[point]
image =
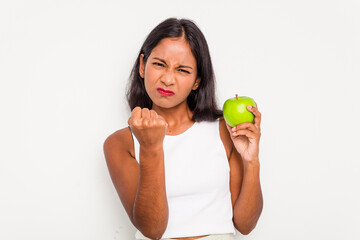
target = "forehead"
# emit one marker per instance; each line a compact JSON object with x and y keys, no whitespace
{"x":174,"y":49}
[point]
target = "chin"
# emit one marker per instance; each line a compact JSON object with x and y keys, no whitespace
{"x":161,"y":104}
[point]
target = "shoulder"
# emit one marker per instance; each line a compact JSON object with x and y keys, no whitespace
{"x":225,"y":137}
{"x":120,"y":140}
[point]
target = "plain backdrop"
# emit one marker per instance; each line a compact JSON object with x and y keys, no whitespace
{"x":64,"y":66}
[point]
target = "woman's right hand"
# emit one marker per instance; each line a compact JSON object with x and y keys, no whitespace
{"x":148,"y":127}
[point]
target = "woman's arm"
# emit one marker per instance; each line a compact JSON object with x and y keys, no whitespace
{"x":150,"y":206}
{"x":246,"y":193}
{"x":244,"y":173}
{"x":141,"y":187}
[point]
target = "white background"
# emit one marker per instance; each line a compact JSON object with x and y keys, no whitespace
{"x":63,"y":70}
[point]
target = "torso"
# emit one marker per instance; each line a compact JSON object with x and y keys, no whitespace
{"x":224,"y":135}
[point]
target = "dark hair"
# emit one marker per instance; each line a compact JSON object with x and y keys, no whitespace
{"x":201,"y":101}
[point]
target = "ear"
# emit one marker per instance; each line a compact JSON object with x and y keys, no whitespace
{"x":142,"y":66}
{"x":196,"y":84}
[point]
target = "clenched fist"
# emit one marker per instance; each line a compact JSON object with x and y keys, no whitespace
{"x":148,"y":127}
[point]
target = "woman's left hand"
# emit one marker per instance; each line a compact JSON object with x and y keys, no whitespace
{"x":246,"y":136}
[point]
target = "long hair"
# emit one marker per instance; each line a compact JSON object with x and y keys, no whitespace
{"x":201,"y":101}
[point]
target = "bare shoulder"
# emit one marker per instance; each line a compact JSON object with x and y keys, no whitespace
{"x":120,"y":139}
{"x":225,"y":137}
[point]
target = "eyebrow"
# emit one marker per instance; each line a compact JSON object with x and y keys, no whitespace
{"x":181,"y":66}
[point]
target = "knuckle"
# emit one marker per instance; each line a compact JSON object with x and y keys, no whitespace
{"x":155,"y":122}
{"x":146,"y":122}
{"x":247,"y":124}
{"x":158,"y":122}
{"x":161,"y":124}
{"x":136,"y":123}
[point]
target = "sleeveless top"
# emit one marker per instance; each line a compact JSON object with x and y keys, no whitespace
{"x":197,"y":180}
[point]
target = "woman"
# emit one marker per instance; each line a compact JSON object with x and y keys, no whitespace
{"x":180,"y":171}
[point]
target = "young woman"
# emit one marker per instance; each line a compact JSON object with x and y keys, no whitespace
{"x":180,"y":171}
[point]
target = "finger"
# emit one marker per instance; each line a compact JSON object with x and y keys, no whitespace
{"x":231,"y":129}
{"x":136,"y":113}
{"x":145,"y":113}
{"x":156,"y":119}
{"x":153,"y":114}
{"x":257,"y":114}
{"x":245,"y":125}
{"x":257,"y":120}
{"x":244,"y":132}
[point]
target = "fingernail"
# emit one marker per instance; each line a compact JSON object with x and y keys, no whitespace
{"x":249,"y":107}
{"x":234,"y":128}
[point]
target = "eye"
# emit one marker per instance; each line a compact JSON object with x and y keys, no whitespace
{"x":158,"y":64}
{"x":182,"y":70}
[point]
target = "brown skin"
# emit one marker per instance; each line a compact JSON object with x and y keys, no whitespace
{"x":141,"y":187}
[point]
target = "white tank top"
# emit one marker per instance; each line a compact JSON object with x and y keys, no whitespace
{"x":197,"y":179}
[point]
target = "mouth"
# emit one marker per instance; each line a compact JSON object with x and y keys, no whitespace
{"x":164,"y":92}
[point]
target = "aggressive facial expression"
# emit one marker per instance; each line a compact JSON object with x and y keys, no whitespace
{"x":169,"y":72}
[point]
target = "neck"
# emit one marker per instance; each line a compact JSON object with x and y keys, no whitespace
{"x":176,"y":116}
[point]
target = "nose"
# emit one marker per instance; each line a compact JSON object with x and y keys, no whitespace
{"x":168,"y":78}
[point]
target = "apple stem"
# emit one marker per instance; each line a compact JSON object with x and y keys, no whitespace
{"x":236,"y":96}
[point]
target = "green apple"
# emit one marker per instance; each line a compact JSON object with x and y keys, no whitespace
{"x":235,"y":111}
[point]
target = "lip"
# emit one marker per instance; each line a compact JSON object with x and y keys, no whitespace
{"x":164,"y":92}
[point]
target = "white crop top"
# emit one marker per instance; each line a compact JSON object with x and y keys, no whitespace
{"x":197,"y":179}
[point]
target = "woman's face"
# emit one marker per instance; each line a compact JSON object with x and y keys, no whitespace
{"x":169,"y":72}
